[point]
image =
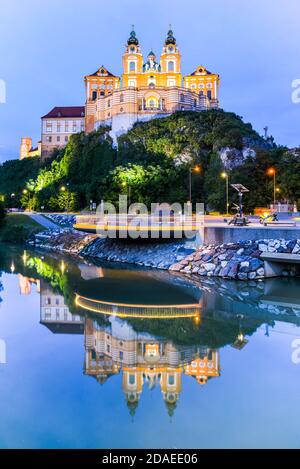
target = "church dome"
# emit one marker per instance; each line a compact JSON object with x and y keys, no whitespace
{"x":133,"y":39}
{"x":170,"y":38}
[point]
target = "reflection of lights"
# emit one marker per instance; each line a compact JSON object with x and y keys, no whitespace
{"x":240,"y":340}
{"x":12,"y":268}
{"x":24,"y":257}
{"x":125,"y":310}
{"x":62,"y":267}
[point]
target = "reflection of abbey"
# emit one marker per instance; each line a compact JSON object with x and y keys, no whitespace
{"x":147,"y":89}
{"x":144,"y":361}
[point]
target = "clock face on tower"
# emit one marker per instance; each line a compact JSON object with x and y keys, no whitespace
{"x":170,"y":48}
{"x":132,"y":49}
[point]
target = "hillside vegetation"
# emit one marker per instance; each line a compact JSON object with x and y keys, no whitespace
{"x":153,"y":164}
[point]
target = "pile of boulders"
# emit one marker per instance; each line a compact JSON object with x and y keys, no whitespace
{"x":241,"y":260}
{"x":69,"y":241}
{"x":234,"y":260}
{"x":155,"y":255}
{"x":62,"y":219}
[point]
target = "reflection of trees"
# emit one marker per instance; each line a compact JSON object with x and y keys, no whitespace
{"x":224,"y":301}
{"x":213,"y":330}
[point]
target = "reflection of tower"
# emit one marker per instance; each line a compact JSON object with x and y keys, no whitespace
{"x":171,"y":387}
{"x":25,"y":284}
{"x":55,"y":314}
{"x":205,"y":366}
{"x":132,"y":386}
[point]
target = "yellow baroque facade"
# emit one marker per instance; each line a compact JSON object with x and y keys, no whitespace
{"x":147,"y":89}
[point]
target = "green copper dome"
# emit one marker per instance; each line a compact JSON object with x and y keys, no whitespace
{"x":170,"y":38}
{"x":133,"y":39}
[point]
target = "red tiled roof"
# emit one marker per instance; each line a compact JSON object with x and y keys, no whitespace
{"x":66,"y":111}
{"x":98,"y":72}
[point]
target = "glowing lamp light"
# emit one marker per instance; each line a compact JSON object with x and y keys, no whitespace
{"x":62,"y":267}
{"x":197,"y":319}
{"x":24,"y":257}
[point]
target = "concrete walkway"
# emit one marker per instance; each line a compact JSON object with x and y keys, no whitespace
{"x":45,"y":222}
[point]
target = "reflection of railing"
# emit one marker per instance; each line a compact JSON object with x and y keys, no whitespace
{"x":124,"y":310}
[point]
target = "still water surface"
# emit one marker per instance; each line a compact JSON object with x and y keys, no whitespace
{"x":106,"y":356}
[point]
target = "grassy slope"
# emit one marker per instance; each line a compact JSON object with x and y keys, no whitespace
{"x":18,"y":227}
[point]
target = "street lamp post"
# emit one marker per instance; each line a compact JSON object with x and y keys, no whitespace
{"x":66,"y":189}
{"x":195,"y":169}
{"x":224,"y":175}
{"x":125,"y":184}
{"x":272,"y":172}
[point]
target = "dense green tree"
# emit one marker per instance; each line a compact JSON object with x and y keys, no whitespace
{"x":155,"y":162}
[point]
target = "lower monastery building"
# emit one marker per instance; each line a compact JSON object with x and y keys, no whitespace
{"x":147,"y":89}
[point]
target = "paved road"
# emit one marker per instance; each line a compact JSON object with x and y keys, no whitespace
{"x":43,"y":221}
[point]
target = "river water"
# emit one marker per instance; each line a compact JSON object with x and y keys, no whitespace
{"x":110,"y":356}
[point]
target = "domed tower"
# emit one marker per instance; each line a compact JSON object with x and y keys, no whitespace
{"x":132,"y":61}
{"x":170,"y":60}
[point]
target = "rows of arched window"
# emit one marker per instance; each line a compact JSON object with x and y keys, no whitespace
{"x":171,"y":66}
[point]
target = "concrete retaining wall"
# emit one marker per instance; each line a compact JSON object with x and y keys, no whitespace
{"x":229,"y":234}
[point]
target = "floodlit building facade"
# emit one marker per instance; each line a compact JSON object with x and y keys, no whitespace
{"x":147,"y":89}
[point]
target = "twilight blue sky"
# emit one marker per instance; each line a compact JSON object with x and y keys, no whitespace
{"x":46,"y":47}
